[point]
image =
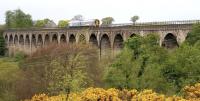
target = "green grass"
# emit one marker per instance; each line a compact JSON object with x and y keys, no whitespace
{"x":8,"y":68}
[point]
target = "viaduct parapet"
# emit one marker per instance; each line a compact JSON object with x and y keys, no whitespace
{"x":110,"y":37}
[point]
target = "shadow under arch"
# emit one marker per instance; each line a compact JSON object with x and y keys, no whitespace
{"x":39,"y":43}
{"x":170,"y":41}
{"x":55,"y":38}
{"x":11,"y":40}
{"x":118,"y":43}
{"x":16,"y":40}
{"x":105,"y":46}
{"x":63,"y":38}
{"x":93,"y":40}
{"x":21,"y":40}
{"x":72,"y":39}
{"x":27,"y":40}
{"x":33,"y":40}
{"x":46,"y":39}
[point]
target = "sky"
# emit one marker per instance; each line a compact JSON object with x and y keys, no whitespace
{"x":120,"y":10}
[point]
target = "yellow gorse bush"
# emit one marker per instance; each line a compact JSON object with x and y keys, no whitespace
{"x":192,"y":93}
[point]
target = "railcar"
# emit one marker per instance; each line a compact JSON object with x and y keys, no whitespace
{"x":77,"y":23}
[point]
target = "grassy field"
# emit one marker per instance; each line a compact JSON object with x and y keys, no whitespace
{"x":8,"y":75}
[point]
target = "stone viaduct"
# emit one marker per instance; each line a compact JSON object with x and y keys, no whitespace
{"x":172,"y":33}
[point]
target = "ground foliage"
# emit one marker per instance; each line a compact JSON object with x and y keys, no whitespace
{"x":192,"y":93}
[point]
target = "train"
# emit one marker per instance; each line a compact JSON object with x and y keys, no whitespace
{"x":82,"y":23}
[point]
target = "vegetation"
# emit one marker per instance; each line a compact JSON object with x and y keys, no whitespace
{"x":8,"y":76}
{"x":63,"y":23}
{"x":2,"y":44}
{"x":18,"y":19}
{"x":41,"y":23}
{"x":59,"y":69}
{"x":69,"y":71}
{"x":134,"y":18}
{"x":78,"y":17}
{"x":107,"y":21}
{"x":99,"y":94}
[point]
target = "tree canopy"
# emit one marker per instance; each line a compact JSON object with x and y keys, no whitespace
{"x":18,"y":19}
{"x":107,"y":21}
{"x":134,"y":18}
{"x":63,"y":23}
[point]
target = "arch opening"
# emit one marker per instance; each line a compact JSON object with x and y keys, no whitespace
{"x":47,"y":39}
{"x":118,"y":44}
{"x":105,"y":46}
{"x":11,"y":40}
{"x":82,"y":38}
{"x":72,"y":39}
{"x":54,"y":38}
{"x":63,"y":38}
{"x":15,"y":39}
{"x":170,"y":41}
{"x":33,"y":41}
{"x":39,"y":43}
{"x":27,"y":40}
{"x":21,"y":40}
{"x":6,"y":38}
{"x":132,"y":35}
{"x":93,"y":40}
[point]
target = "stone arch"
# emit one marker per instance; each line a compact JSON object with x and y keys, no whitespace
{"x":82,"y":38}
{"x":46,"y":39}
{"x":118,"y":43}
{"x":55,"y":38}
{"x":11,"y":39}
{"x":21,"y":39}
{"x":93,"y":40}
{"x":72,"y":39}
{"x":16,"y":39}
{"x":170,"y":41}
{"x":27,"y":40}
{"x":6,"y":38}
{"x":105,"y":46}
{"x":33,"y":40}
{"x":63,"y":38}
{"x":39,"y":41}
{"x":132,"y":35}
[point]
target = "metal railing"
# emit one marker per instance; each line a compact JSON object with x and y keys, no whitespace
{"x":155,"y":23}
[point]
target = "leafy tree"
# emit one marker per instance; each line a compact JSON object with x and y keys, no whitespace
{"x":139,"y":64}
{"x":123,"y":72}
{"x":107,"y":21}
{"x":59,"y":69}
{"x":2,"y":44}
{"x":134,"y":18}
{"x":194,"y":35}
{"x":182,"y":68}
{"x":42,"y":23}
{"x":63,"y":23}
{"x":78,"y":17}
{"x":18,"y":19}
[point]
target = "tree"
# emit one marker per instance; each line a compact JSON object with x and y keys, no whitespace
{"x":134,"y":18}
{"x":59,"y":69}
{"x":2,"y":44}
{"x":78,"y":17}
{"x":18,"y":19}
{"x":139,"y":63}
{"x":45,"y":23}
{"x":194,"y":35}
{"x":123,"y":72}
{"x":182,"y":68}
{"x":107,"y":21}
{"x":63,"y":23}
